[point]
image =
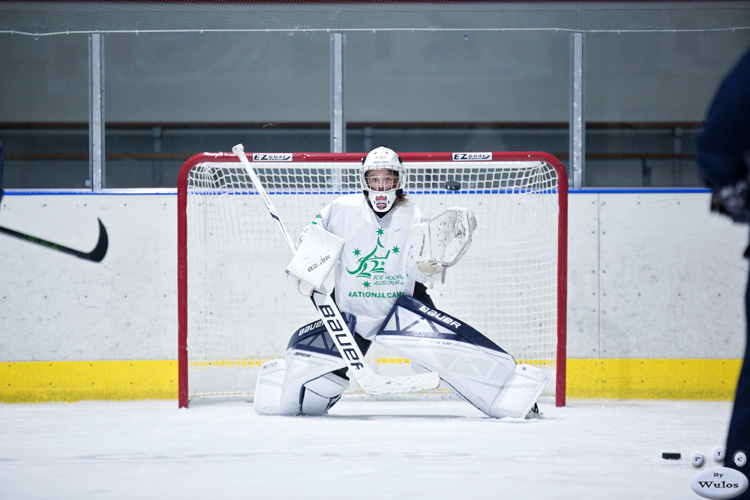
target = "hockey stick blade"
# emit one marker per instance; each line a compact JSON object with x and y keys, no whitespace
{"x":95,"y":255}
{"x":369,"y":381}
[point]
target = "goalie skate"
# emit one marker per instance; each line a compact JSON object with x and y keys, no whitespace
{"x":534,"y":413}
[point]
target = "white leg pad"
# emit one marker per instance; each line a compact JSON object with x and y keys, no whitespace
{"x":477,"y":374}
{"x":322,"y":393}
{"x":520,"y":392}
{"x":478,"y":370}
{"x":267,"y":400}
{"x":302,"y":368}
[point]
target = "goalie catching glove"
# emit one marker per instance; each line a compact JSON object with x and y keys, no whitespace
{"x":314,"y":260}
{"x":441,"y":242}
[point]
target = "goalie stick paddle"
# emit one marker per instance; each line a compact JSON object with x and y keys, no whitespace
{"x":95,"y":255}
{"x":352,"y":355}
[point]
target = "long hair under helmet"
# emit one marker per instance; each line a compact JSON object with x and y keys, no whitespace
{"x":383,"y":158}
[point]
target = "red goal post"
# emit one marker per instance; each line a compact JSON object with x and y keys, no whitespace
{"x":237,"y":310}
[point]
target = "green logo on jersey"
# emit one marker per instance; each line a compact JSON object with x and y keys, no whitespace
{"x":371,"y":268}
{"x":372,"y":263}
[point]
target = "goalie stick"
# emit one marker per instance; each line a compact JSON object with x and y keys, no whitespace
{"x":368,"y":380}
{"x":95,"y":255}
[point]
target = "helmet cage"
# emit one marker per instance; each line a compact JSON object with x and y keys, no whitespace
{"x":395,"y":175}
{"x":382,"y":158}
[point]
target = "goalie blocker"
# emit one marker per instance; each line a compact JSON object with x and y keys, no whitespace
{"x":310,"y":382}
{"x":314,"y":260}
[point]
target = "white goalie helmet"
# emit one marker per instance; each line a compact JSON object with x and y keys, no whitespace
{"x":383,"y":178}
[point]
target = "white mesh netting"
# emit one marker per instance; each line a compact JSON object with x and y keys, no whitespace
{"x":242,"y":310}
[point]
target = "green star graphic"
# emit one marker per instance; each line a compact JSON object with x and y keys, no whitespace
{"x":380,"y":231}
{"x":357,"y":252}
{"x":396,"y":250}
{"x":366,"y":284}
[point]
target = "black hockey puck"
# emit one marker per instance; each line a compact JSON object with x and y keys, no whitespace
{"x":670,"y":456}
{"x":452,"y":185}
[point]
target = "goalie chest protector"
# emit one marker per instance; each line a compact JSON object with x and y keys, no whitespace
{"x":374,"y":268}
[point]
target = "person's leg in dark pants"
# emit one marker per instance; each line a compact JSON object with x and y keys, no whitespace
{"x":738,"y":437}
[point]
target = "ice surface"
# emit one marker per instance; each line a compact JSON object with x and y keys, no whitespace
{"x":410,"y":449}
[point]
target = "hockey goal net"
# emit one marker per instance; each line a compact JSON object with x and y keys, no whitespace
{"x":237,"y":310}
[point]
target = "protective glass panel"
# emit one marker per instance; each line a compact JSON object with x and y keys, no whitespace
{"x":44,"y":111}
{"x":646,"y":96}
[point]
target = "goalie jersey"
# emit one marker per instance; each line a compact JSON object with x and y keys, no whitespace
{"x":375,"y":267}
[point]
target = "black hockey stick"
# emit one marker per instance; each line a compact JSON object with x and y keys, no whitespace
{"x":96,"y":255}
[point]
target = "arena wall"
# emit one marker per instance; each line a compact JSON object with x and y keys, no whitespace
{"x":655,"y":297}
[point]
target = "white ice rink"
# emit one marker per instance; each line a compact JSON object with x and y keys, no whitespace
{"x":363,"y":449}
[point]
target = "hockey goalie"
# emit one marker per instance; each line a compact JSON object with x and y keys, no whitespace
{"x":384,"y":256}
